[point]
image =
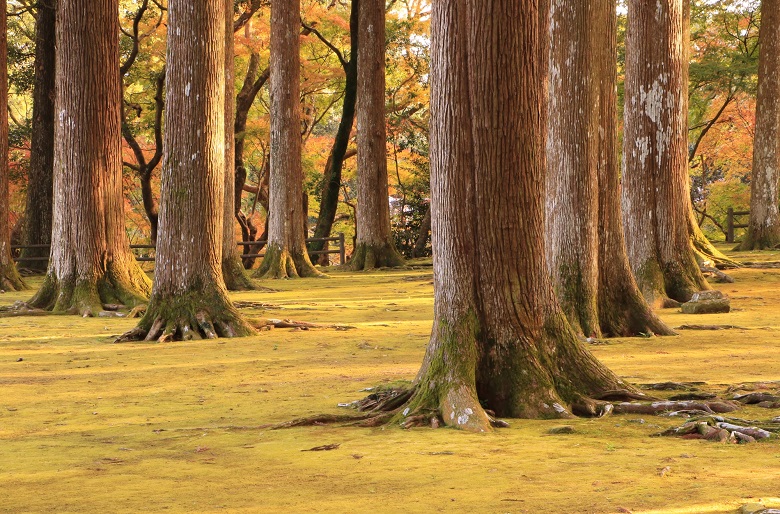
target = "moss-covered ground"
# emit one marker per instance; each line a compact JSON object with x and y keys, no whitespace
{"x":91,"y":426}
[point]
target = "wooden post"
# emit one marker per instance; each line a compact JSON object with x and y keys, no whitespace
{"x":342,"y":250}
{"x":730,"y":225}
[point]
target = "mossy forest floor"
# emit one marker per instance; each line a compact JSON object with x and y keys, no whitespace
{"x":91,"y":426}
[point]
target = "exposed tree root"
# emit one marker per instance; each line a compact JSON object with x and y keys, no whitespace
{"x":719,"y":276}
{"x":718,"y":428}
{"x":368,"y":256}
{"x":281,"y":263}
{"x":672,"y":386}
{"x":11,"y":279}
{"x":667,"y":406}
{"x":704,"y":249}
{"x":710,"y":327}
{"x":189,"y":316}
{"x":289,"y":323}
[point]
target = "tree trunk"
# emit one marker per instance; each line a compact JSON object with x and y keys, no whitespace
{"x":38,"y":210}
{"x":656,"y":200}
{"x":286,"y":255}
{"x":622,"y":309}
{"x":572,"y":153}
{"x":764,"y":225}
{"x":90,"y":261}
{"x":233,"y":272}
{"x":500,"y":340}
{"x":9,"y":276}
{"x":375,"y":246}
{"x":338,"y":152}
{"x":190,"y":300}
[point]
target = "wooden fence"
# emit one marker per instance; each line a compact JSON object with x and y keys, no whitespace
{"x":339,"y":240}
{"x":730,"y":225}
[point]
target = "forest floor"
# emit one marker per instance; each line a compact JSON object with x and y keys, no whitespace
{"x":91,"y":426}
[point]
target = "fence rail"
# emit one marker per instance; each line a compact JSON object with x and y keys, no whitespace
{"x":339,"y":240}
{"x":730,"y":225}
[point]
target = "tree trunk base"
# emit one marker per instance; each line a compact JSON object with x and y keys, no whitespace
{"x":189,"y":316}
{"x":235,"y":275}
{"x":281,"y":263}
{"x":118,"y":285}
{"x":368,"y":256}
{"x":752,"y":242}
{"x":705,"y":251}
{"x":10,"y":280}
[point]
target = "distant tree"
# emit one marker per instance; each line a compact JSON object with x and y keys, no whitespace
{"x":232,"y":268}
{"x":9,"y":276}
{"x":586,"y":254}
{"x":764,"y":225}
{"x":90,"y":262}
{"x":39,"y":204}
{"x":375,"y":247}
{"x":189,"y":300}
{"x":285,"y":254}
{"x":331,"y":182}
{"x":656,"y":199}
{"x":500,"y":340}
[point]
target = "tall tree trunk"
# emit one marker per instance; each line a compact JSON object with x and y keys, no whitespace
{"x":189,"y":300}
{"x":9,"y":276}
{"x":38,"y":211}
{"x":500,"y":340}
{"x":233,"y":272}
{"x":572,"y":153}
{"x":375,"y":246}
{"x":90,"y":261}
{"x":622,"y":309}
{"x":286,"y":255}
{"x":335,"y":163}
{"x":656,"y":200}
{"x":422,"y":234}
{"x":764,"y":225}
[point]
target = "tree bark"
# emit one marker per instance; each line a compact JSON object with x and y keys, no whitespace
{"x":189,"y":300}
{"x":422,"y":235}
{"x":622,"y":309}
{"x":375,"y":246}
{"x":656,"y":200}
{"x":572,"y":156}
{"x":38,"y":210}
{"x":233,"y":271}
{"x":90,"y":261}
{"x":500,"y":340}
{"x":335,"y":163}
{"x":285,"y":255}
{"x":764,"y":225}
{"x":9,"y":276}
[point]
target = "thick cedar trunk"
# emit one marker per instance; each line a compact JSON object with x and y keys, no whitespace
{"x":572,"y":153}
{"x":286,"y":255}
{"x":38,"y":211}
{"x":232,"y":269}
{"x":9,"y":276}
{"x":338,"y":152}
{"x":764,"y":225}
{"x":656,"y":200}
{"x":499,"y":340}
{"x":253,"y":83}
{"x":90,"y":261}
{"x":623,"y":310}
{"x":375,"y":246}
{"x":189,"y":300}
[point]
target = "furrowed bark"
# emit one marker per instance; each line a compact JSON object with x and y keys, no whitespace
{"x":90,"y":261}
{"x":286,"y":255}
{"x":375,"y":246}
{"x":189,"y":300}
{"x":656,"y":199}
{"x":764,"y":225}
